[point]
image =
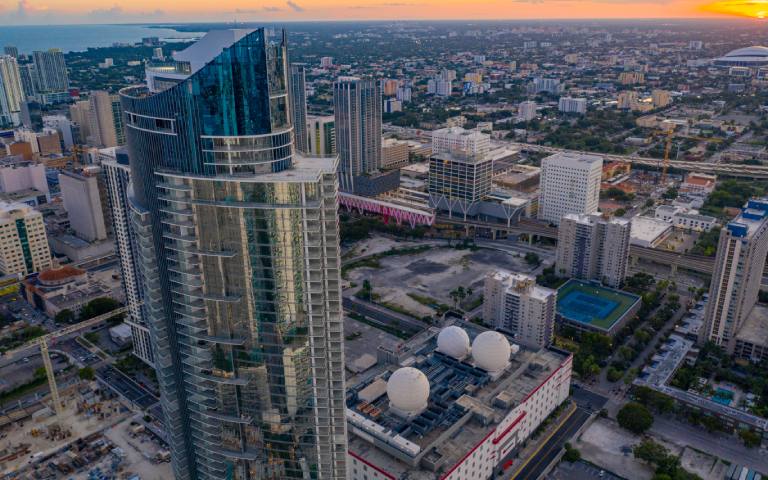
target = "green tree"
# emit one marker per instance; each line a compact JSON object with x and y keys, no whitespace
{"x":65,"y":316}
{"x":98,"y":306}
{"x":750,"y":438}
{"x":86,"y":373}
{"x":532,"y":259}
{"x":571,"y":454}
{"x":635,"y":417}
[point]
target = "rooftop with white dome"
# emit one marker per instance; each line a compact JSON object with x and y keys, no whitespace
{"x":431,"y":399}
{"x":746,"y":57}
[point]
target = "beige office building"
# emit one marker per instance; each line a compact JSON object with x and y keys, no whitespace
{"x":394,"y":153}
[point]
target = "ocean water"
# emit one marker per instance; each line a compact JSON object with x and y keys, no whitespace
{"x":74,"y":38}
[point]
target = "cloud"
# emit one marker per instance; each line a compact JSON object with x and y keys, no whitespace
{"x":295,"y":6}
{"x":258,"y":10}
{"x":618,"y":2}
{"x":117,"y":14}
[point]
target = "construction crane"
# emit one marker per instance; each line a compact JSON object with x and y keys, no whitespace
{"x":43,"y":342}
{"x":668,"y":147}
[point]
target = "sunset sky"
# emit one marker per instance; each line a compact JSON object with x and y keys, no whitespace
{"x":22,"y":12}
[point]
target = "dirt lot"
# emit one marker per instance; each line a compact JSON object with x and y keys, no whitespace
{"x":432,"y":275}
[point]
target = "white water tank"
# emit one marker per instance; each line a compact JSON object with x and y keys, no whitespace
{"x":491,"y":351}
{"x":454,"y":342}
{"x":408,"y":390}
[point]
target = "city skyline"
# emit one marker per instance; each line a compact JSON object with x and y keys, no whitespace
{"x":59,"y":12}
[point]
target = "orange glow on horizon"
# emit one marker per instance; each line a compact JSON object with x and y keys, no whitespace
{"x":740,"y":8}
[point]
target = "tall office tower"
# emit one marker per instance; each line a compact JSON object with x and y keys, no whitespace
{"x":29,"y":80}
{"x":80,"y":113}
{"x":457,"y":182}
{"x":514,"y":303}
{"x":440,"y":87}
{"x":85,"y":200}
{"x":739,"y":266}
{"x":105,"y":119}
{"x":11,"y":93}
{"x":459,"y":140}
{"x":238,"y":251}
{"x":118,"y":177}
{"x":357,"y":111}
{"x":592,"y":247}
{"x":322,"y":135}
{"x":526,"y":111}
{"x":11,"y":51}
{"x":51,"y":71}
{"x":23,"y":241}
{"x":570,"y":183}
{"x":299,"y":107}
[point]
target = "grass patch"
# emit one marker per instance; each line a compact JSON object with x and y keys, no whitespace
{"x":430,"y":302}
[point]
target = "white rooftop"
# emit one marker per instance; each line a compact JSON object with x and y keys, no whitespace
{"x":645,"y":230}
{"x":209,"y":47}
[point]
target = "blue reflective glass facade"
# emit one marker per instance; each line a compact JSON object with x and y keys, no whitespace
{"x":237,"y":239}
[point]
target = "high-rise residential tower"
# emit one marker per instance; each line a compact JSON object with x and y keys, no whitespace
{"x":514,"y":303}
{"x":593,"y":247}
{"x":238,"y":251}
{"x":118,"y":178}
{"x":23,"y":241}
{"x":357,"y":110}
{"x":51,"y":71}
{"x":739,"y":265}
{"x":105,"y":120}
{"x":85,"y":200}
{"x":322,"y":135}
{"x":11,"y":92}
{"x":299,"y":107}
{"x":570,"y":183}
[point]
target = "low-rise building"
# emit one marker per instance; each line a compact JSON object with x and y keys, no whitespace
{"x":649,"y":232}
{"x":66,"y":288}
{"x":394,"y":153}
{"x":685,"y":218}
{"x":462,"y":408}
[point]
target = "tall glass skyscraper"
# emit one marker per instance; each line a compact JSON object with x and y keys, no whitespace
{"x":238,"y":249}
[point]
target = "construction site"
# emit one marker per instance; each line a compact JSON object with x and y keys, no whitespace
{"x":80,"y":428}
{"x":95,"y":437}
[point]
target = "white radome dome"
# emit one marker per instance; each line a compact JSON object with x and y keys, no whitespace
{"x":454,"y":342}
{"x":408,"y":389}
{"x":491,"y":351}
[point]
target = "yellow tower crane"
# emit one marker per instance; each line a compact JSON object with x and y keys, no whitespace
{"x":43,"y":342}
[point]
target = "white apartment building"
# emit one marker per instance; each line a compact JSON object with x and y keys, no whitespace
{"x":118,"y":175}
{"x":572,"y":105}
{"x":17,"y":175}
{"x":685,"y":218}
{"x":739,"y":265}
{"x":457,"y":139}
{"x":570,"y":183}
{"x":526,"y":111}
{"x":439,"y":87}
{"x":513,"y":302}
{"x":23,"y":241}
{"x":84,"y":203}
{"x":592,"y":247}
